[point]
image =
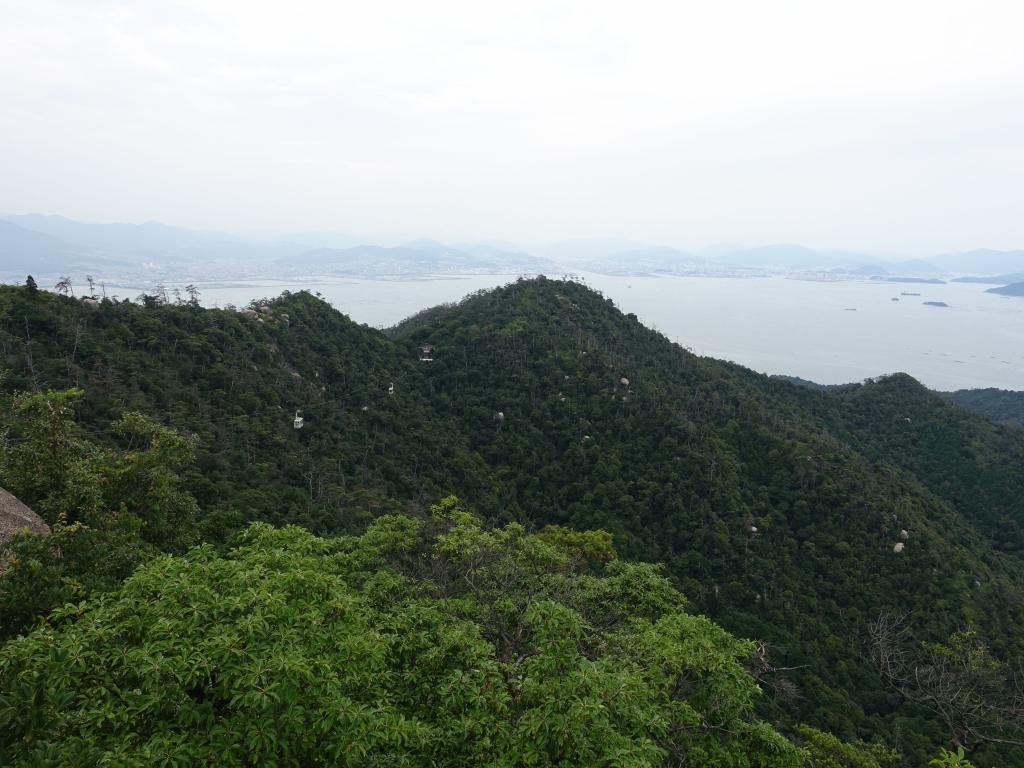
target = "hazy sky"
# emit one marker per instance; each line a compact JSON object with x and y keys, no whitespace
{"x":894,"y":125}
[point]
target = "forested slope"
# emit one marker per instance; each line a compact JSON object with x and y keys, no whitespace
{"x":236,"y":381}
{"x":967,"y":459}
{"x":778,"y":510}
{"x":775,"y":524}
{"x":998,"y":404}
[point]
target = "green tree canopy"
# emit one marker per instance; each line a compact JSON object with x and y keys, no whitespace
{"x":65,"y":477}
{"x":425,"y":641}
{"x":109,"y":508}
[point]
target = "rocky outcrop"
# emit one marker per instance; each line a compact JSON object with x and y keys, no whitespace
{"x":15,"y":517}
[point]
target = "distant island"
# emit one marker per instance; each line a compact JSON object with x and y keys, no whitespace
{"x":994,"y":279}
{"x":1013,"y":289}
{"x":935,"y":304}
{"x":929,"y":280}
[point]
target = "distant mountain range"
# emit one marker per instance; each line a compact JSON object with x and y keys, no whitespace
{"x":150,"y":237}
{"x":627,"y":257}
{"x":789,"y":255}
{"x":419,"y":258}
{"x":54,"y":244}
{"x":49,"y":245}
{"x":981,"y":262}
{"x":25,"y":250}
{"x":652,"y":260}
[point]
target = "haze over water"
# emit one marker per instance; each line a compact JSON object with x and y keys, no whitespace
{"x":829,"y":332}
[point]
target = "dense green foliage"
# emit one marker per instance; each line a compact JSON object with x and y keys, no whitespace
{"x":969,"y":461}
{"x":427,"y":641}
{"x":775,"y":508}
{"x":109,"y":509}
{"x":235,"y":382}
{"x":998,"y":404}
{"x":64,"y":477}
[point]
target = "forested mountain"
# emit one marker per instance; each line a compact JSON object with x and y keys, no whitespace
{"x":764,"y":509}
{"x":997,"y":404}
{"x":969,"y":461}
{"x":794,"y":516}
{"x":236,"y":381}
{"x":1000,"y":405}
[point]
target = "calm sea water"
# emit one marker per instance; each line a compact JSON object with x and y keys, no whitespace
{"x":830,"y":332}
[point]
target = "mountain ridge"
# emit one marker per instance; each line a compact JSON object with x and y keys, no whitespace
{"x":106,"y":245}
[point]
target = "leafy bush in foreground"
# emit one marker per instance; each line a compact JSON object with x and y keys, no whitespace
{"x":109,"y":508}
{"x":425,"y":641}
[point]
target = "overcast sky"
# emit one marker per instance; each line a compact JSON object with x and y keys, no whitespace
{"x":886,"y":126}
